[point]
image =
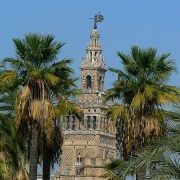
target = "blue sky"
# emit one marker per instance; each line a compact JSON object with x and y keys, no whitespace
{"x":147,"y":23}
{"x":154,"y":23}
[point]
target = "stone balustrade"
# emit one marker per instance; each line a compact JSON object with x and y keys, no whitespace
{"x":86,"y":132}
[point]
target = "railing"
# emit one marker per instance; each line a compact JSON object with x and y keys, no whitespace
{"x":86,"y":132}
{"x":90,"y":91}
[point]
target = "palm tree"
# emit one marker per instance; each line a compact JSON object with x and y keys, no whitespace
{"x":162,"y":159}
{"x":52,"y":149}
{"x":13,"y":153}
{"x":140,"y":94}
{"x":34,"y":71}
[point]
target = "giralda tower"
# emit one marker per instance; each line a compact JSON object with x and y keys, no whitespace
{"x":90,"y":143}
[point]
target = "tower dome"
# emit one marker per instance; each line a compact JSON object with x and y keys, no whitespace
{"x":94,"y":43}
{"x":95,"y":33}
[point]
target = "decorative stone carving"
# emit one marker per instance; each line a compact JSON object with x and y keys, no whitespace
{"x":87,"y":149}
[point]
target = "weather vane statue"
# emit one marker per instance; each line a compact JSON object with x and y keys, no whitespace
{"x":97,"y":18}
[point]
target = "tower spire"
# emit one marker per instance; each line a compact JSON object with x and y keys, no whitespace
{"x":93,"y":65}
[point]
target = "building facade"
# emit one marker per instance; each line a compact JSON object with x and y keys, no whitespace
{"x":90,"y":143}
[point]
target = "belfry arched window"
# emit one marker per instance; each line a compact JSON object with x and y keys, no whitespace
{"x":73,"y":122}
{"x":88,"y":82}
{"x":94,"y":122}
{"x":90,"y":56}
{"x":88,"y":122}
{"x":95,"y":54}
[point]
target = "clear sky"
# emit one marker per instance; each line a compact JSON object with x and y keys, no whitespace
{"x":146,"y":23}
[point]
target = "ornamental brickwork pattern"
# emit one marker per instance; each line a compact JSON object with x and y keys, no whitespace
{"x":89,"y":143}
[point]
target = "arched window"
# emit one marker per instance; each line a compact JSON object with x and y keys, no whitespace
{"x":95,"y":54}
{"x":91,"y":56}
{"x":78,"y":172}
{"x":94,"y":122}
{"x":73,"y":122}
{"x":79,"y":159}
{"x":88,"y":82}
{"x":88,"y":122}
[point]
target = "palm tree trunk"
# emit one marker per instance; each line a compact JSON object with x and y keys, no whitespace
{"x":121,"y":138}
{"x":33,"y":153}
{"x":46,"y":167}
{"x":46,"y":160}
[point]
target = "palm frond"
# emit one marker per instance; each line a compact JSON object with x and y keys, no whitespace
{"x":52,"y":79}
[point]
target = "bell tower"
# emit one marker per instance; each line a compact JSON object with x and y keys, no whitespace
{"x":93,"y":66}
{"x":90,"y":143}
{"x":93,"y":70}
